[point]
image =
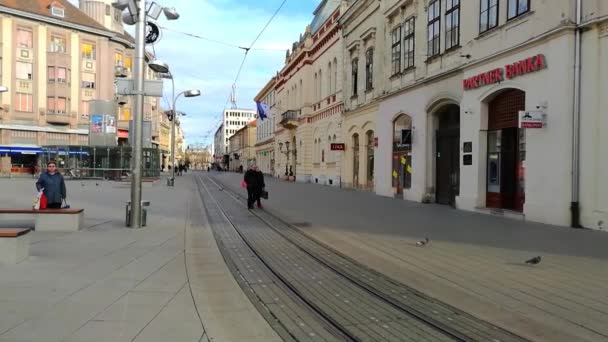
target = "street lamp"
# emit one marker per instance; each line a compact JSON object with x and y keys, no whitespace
{"x":164,"y":71}
{"x":138,"y":14}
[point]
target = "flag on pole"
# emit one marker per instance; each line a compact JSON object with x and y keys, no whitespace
{"x":262,"y":110}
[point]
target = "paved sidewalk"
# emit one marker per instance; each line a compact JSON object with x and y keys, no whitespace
{"x":474,"y":261}
{"x":111,"y":283}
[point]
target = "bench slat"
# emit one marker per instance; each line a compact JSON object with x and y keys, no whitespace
{"x":43,"y":211}
{"x":13,"y":232}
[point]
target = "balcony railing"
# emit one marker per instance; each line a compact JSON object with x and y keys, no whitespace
{"x":289,"y":119}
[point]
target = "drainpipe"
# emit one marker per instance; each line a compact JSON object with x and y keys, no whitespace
{"x":576,"y":120}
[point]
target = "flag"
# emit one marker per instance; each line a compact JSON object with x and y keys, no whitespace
{"x":262,"y":110}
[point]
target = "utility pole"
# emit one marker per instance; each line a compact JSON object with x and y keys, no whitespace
{"x":138,"y":113}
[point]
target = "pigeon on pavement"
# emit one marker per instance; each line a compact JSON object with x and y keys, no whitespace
{"x":534,"y":261}
{"x":423,"y":242}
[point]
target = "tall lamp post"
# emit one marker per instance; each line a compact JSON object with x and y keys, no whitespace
{"x":137,"y":14}
{"x":163,"y":69}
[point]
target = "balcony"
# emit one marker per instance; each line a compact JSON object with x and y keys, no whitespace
{"x":57,"y":117}
{"x":289,"y":119}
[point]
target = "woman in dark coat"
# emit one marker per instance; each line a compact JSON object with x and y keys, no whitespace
{"x":54,"y":186}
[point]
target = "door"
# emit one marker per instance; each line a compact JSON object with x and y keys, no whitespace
{"x":508,"y":180}
{"x":448,"y":166}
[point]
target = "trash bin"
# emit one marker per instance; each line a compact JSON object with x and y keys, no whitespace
{"x":144,"y":213}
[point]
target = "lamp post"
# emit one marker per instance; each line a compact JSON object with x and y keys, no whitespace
{"x":137,"y":14}
{"x":163,"y":69}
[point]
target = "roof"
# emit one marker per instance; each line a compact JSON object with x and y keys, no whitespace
{"x":42,"y":7}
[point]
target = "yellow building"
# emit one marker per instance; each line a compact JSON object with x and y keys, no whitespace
{"x":55,"y":58}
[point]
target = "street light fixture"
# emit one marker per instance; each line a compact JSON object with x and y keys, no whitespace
{"x":159,"y":67}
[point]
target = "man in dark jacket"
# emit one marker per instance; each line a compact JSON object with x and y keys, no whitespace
{"x":261,"y":185}
{"x":251,"y":179}
{"x":54,"y":186}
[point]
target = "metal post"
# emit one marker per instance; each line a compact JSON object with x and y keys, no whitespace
{"x":174,"y":117}
{"x":136,"y":157}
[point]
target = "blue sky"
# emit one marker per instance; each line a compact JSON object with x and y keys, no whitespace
{"x":211,"y":67}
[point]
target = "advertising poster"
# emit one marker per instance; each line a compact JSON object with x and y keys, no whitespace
{"x":110,"y":124}
{"x":96,"y":123}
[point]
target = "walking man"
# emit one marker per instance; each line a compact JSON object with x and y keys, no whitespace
{"x":251,"y":178}
{"x":54,"y":186}
{"x":261,"y":185}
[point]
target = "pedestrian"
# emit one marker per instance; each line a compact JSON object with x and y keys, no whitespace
{"x":251,"y":180}
{"x":54,"y":186}
{"x":260,"y":184}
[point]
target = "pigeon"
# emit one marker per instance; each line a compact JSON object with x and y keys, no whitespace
{"x":534,"y":261}
{"x":424,"y":242}
{"x":96,"y":184}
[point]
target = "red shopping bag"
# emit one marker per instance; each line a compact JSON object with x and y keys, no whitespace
{"x":43,"y":202}
{"x":243,"y":184}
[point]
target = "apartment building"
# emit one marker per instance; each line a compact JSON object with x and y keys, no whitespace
{"x":242,"y":151}
{"x":56,"y":58}
{"x":235,"y":119}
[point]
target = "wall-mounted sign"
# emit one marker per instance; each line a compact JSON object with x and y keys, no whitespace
{"x":337,"y":147}
{"x":510,"y":71}
{"x":532,"y":119}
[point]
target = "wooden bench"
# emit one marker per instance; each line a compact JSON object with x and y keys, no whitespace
{"x":14,"y":245}
{"x":53,"y":220}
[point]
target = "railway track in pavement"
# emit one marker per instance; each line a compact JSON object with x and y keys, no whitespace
{"x":308,"y":291}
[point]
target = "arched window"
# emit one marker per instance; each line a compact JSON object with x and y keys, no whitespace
{"x":330,"y":74}
{"x":355,"y":160}
{"x":335,"y":76}
{"x":370,"y":158}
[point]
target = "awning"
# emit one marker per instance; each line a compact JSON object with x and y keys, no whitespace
{"x":20,"y":149}
{"x":123,"y":134}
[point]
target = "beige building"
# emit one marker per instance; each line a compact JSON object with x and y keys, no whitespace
{"x":310,"y":98}
{"x":462,"y":111}
{"x":265,"y":128}
{"x":242,"y":151}
{"x":55,"y":59}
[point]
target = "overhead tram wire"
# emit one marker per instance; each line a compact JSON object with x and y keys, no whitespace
{"x":247,"y":49}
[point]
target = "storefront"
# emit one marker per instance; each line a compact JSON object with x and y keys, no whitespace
{"x":516,"y":136}
{"x":23,"y":159}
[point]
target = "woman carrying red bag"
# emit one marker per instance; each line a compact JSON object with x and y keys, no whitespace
{"x":52,"y":185}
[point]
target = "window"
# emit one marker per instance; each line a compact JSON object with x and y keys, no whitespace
{"x":517,"y":7}
{"x":23,"y":102}
{"x":61,"y":75}
{"x":434,"y":28}
{"x":452,"y":24}
{"x":50,"y":105}
{"x":408,"y":43}
{"x":369,"y":69}
{"x":128,"y":62}
{"x":355,"y":74}
{"x":117,"y":59}
{"x":88,"y":80}
{"x":396,"y":50}
{"x":84,"y":109}
{"x":57,"y":44}
{"x":24,"y":71}
{"x":51,"y":73}
{"x":126,"y":114}
{"x":488,"y":16}
{"x":57,"y":12}
{"x":24,"y":39}
{"x":61,"y":105}
{"x":88,"y":51}
{"x":117,"y":14}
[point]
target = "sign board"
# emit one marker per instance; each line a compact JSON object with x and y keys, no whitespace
{"x":126,"y":86}
{"x":532,"y":119}
{"x":147,"y":134}
{"x":337,"y":147}
{"x":102,"y":125}
{"x":510,"y":71}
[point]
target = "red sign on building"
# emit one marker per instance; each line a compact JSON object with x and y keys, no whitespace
{"x":526,"y":66}
{"x":337,"y":147}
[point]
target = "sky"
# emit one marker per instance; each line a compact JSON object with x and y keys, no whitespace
{"x":212,"y":67}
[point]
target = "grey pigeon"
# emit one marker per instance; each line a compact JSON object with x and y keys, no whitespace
{"x":423,"y":242}
{"x":534,"y":261}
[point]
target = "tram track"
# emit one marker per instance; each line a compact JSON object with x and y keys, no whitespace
{"x":410,"y":315}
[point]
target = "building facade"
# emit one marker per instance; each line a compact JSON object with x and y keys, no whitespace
{"x":242,"y":151}
{"x":56,"y":58}
{"x":235,"y":119}
{"x":264,"y":147}
{"x":308,"y":139}
{"x":219,"y":145}
{"x":467,"y":119}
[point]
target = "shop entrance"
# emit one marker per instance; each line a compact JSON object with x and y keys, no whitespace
{"x":506,"y":152}
{"x":447,"y":160}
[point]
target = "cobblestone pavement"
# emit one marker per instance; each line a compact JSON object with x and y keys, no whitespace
{"x":474,"y":261}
